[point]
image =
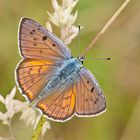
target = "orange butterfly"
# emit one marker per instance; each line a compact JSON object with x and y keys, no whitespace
{"x":52,"y":79}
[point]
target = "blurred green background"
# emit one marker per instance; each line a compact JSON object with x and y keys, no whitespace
{"x":119,"y":78}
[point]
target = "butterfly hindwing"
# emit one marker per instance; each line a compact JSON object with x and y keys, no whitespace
{"x":59,"y":106}
{"x":89,"y":96}
{"x":37,"y":42}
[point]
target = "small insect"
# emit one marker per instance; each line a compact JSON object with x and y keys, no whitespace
{"x":51,"y":79}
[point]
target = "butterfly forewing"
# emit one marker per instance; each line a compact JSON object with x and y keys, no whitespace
{"x":43,"y":52}
{"x":89,"y":96}
{"x":32,"y":75}
{"x":37,"y":42}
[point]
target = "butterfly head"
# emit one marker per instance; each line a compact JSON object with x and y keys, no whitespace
{"x":81,"y":59}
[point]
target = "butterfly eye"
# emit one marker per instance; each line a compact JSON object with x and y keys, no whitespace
{"x":81,"y":59}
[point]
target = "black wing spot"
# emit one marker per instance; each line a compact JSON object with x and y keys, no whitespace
{"x":44,"y":37}
{"x":87,"y":81}
{"x":34,"y":44}
{"x":53,"y":44}
{"x":31,"y":33}
{"x":34,"y":38}
{"x":41,"y":51}
{"x":39,"y":70}
{"x":31,"y":69}
{"x":96,"y":101}
{"x":92,"y":89}
{"x":33,"y":30}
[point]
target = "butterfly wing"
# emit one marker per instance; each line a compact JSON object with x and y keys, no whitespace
{"x":84,"y":97}
{"x":32,"y":75}
{"x":37,"y":42}
{"x":59,"y":106}
{"x":89,"y":96}
{"x":42,"y":53}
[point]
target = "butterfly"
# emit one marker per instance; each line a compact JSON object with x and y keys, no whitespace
{"x":52,"y":79}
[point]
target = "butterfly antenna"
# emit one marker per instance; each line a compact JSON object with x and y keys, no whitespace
{"x":79,"y":29}
{"x":106,"y":58}
{"x":105,"y":27}
{"x":109,"y":58}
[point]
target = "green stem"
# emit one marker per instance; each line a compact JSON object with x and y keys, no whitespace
{"x":38,"y":128}
{"x":10,"y":130}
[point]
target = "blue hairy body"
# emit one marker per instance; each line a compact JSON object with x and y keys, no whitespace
{"x":65,"y":74}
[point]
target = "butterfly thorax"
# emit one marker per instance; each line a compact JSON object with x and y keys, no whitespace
{"x":65,"y":75}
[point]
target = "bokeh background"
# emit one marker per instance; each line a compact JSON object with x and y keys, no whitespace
{"x":119,"y":78}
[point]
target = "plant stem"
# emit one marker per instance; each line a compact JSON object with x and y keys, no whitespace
{"x":38,"y":128}
{"x":10,"y":130}
{"x":106,"y":26}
